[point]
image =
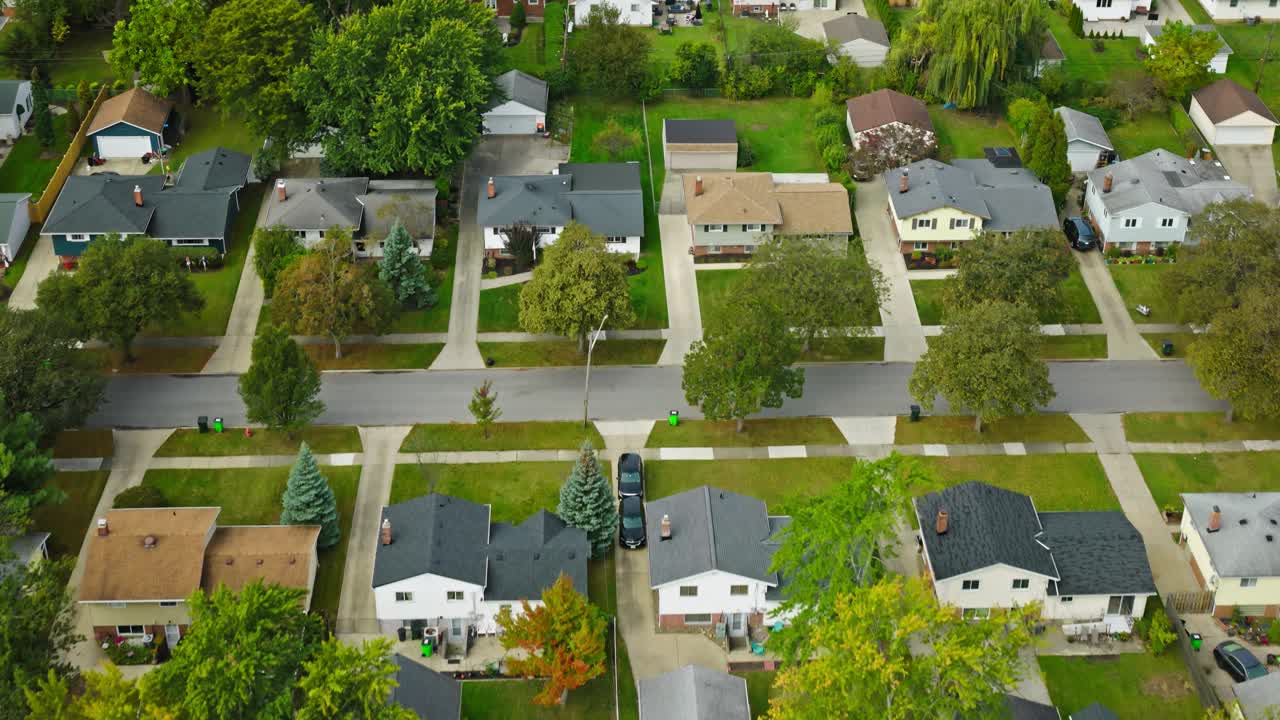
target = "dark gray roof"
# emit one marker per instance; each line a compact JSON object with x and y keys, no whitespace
{"x":103,"y":203}
{"x":1168,"y":179}
{"x":987,"y":525}
{"x":1014,"y":196}
{"x":524,"y":89}
{"x":934,"y":185}
{"x":848,"y":28}
{"x":711,"y":529}
{"x":318,"y":203}
{"x":1083,"y":126}
{"x":9,"y":205}
{"x":1239,"y":550}
{"x":1096,"y":711}
{"x":526,"y":559}
{"x":9,"y":91}
{"x":412,"y":202}
{"x":434,"y":534}
{"x":694,"y":693}
{"x":429,"y":694}
{"x":699,"y":132}
{"x":215,"y":169}
{"x":532,"y":199}
{"x":605,"y":197}
{"x":1096,"y":553}
{"x":1023,"y":709}
{"x":1257,"y":696}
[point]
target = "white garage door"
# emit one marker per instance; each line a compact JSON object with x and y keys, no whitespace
{"x":1234,"y":135}
{"x":123,"y":147}
{"x":511,"y":124}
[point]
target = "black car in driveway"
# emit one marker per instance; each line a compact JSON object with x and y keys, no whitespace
{"x":1238,"y":662}
{"x":630,"y":475}
{"x":631,"y":522}
{"x":1079,"y":233}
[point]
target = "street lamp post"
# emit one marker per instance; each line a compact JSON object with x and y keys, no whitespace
{"x":586,"y":390}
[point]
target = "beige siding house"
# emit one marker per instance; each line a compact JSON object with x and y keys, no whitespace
{"x":731,"y":213}
{"x":1233,"y":544}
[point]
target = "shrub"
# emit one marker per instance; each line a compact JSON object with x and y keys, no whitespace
{"x":827,"y":135}
{"x":441,"y":255}
{"x":141,"y":496}
{"x":1273,"y":632}
{"x":834,"y":156}
{"x":1160,"y":634}
{"x":829,"y":117}
{"x":746,"y":156}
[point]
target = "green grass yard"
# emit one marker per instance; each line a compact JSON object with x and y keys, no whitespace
{"x":1077,"y":304}
{"x":737,"y":30}
{"x":1084,"y":62}
{"x":1181,"y":341}
{"x":68,"y":521}
{"x":1135,"y":686}
{"x":252,"y":497}
{"x":529,"y":56}
{"x":963,"y":134}
{"x":502,"y":436}
{"x":1247,"y":45}
{"x":958,"y":430}
{"x":855,"y":349}
{"x":715,"y":288}
{"x":152,"y":360}
{"x":84,"y":444}
{"x":79,"y":57}
{"x":500,"y":309}
{"x":1154,"y":131}
{"x":207,"y":129}
{"x":513,"y":700}
{"x":324,"y":439}
{"x":19,"y":264}
{"x":1169,"y":475}
{"x":757,"y":433}
{"x":1195,"y":427}
{"x":1140,"y":285}
{"x":561,"y":353}
{"x":515,"y":490}
{"x":379,"y":356}
{"x":1074,"y":347}
{"x":436,"y":317}
{"x":29,"y":165}
{"x":759,"y":690}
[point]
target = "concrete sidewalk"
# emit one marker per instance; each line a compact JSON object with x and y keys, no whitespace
{"x":903,"y":335}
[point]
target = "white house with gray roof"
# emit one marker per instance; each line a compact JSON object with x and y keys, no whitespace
{"x":1088,"y":146}
{"x":15,"y":107}
{"x":1233,"y":540}
{"x":15,"y":220}
{"x":1144,"y":203}
{"x":694,"y":693}
{"x":606,"y":197}
{"x":521,"y":108}
{"x":709,"y":557}
{"x":986,"y":547}
{"x":367,"y":209}
{"x":441,"y":562}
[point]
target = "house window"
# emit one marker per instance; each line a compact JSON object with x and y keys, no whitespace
{"x":977,"y":613}
{"x":453,"y":595}
{"x":748,"y":248}
{"x":1066,"y":598}
{"x":920,"y":246}
{"x":169,"y":603}
{"x":753,"y":228}
{"x":1235,"y":3}
{"x":1104,"y":3}
{"x":1120,"y":605}
{"x":697,"y":619}
{"x":190,"y":242}
{"x":407,"y":597}
{"x":635,"y":8}
{"x":955,"y":246}
{"x":616,"y":239}
{"x":714,"y":228}
{"x":737,"y":589}
{"x":1021,"y":583}
{"x":715,"y":248}
{"x":1167,"y":222}
{"x":130,"y":630}
{"x":961,"y":223}
{"x":360,"y":247}
{"x":1248,"y":582}
{"x":118,"y":605}
{"x":924,"y":223}
{"x":78,"y":237}
{"x":533,"y":2}
{"x":969,"y":584}
{"x":688,"y":591}
{"x":1273,"y":3}
{"x":1131,"y":222}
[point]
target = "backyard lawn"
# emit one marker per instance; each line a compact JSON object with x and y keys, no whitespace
{"x":29,"y":165}
{"x":963,"y":134}
{"x":252,"y":497}
{"x":756,"y":433}
{"x":68,"y":521}
{"x":958,"y":430}
{"x":1084,"y":62}
{"x":515,"y":490}
{"x":1135,"y":686}
{"x":1195,"y":427}
{"x":207,"y":129}
{"x":759,"y":690}
{"x":1076,"y":308}
{"x":540,"y":43}
{"x":79,"y":57}
{"x":323,"y":439}
{"x":500,"y":309}
{"x":513,"y":699}
{"x":1247,"y":45}
{"x":737,"y":29}
{"x":1154,"y":131}
{"x":560,"y":353}
{"x":374,"y":356}
{"x":1140,"y":285}
{"x":1169,"y":475}
{"x":502,"y":436}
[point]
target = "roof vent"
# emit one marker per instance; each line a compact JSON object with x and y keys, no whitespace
{"x":1273,"y":521}
{"x":149,"y":542}
{"x":499,"y":555}
{"x":259,"y":561}
{"x":1270,"y":537}
{"x":537,"y":556}
{"x":230,"y":561}
{"x":1244,"y":521}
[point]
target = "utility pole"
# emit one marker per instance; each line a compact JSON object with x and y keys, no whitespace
{"x":586,"y":390}
{"x":1262,"y":61}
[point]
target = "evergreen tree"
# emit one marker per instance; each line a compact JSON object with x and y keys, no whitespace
{"x":308,"y":499}
{"x":402,"y":270}
{"x":1049,"y":153}
{"x":40,"y":107}
{"x":1076,"y":21}
{"x":587,"y":501}
{"x":519,"y":18}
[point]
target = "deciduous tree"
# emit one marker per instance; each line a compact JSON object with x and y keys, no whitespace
{"x":563,"y":638}
{"x":615,"y":141}
{"x":37,"y":628}
{"x":159,"y":42}
{"x":274,"y":249}
{"x":1179,"y":60}
{"x":576,"y":285}
{"x":587,"y":501}
{"x":484,"y":406}
{"x":25,"y":469}
{"x":44,"y":373}
{"x":1231,"y":247}
{"x":697,"y":65}
{"x":282,"y":386}
{"x":308,"y":499}
{"x":402,"y":270}
{"x":107,"y":695}
{"x":610,"y":58}
{"x":1238,"y":359}
{"x":1022,"y":115}
{"x":888,"y":147}
{"x":987,"y":362}
{"x":344,"y":681}
{"x":1025,"y":267}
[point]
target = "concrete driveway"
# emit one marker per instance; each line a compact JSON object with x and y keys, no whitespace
{"x":1124,"y":342}
{"x":684,"y":313}
{"x":1253,"y":166}
{"x":903,"y":335}
{"x":41,"y":265}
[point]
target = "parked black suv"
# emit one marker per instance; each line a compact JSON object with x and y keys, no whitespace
{"x":631,"y":532}
{"x":630,"y":475}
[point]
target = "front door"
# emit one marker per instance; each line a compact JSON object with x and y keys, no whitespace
{"x":455,"y":630}
{"x":172,"y":635}
{"x":737,"y":624}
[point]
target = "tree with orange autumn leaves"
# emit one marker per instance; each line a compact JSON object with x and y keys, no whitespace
{"x":564,"y":639}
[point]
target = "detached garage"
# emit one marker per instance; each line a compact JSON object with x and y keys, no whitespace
{"x":15,"y":219}
{"x":522,"y":110}
{"x":700,"y":144}
{"x":1228,"y":114}
{"x":130,"y":125}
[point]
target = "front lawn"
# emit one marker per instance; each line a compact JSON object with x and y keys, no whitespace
{"x":500,"y":309}
{"x":958,"y":430}
{"x":84,"y":444}
{"x":68,"y":521}
{"x":436,"y":317}
{"x":721,"y":287}
{"x":1169,"y":475}
{"x":963,"y":134}
{"x":1248,"y":43}
{"x":251,"y":496}
{"x":323,"y":439}
{"x":1054,"y":482}
{"x":854,"y":349}
{"x":374,"y":356}
{"x":559,"y":353}
{"x":1181,"y":341}
{"x":1135,"y":686}
{"x":776,"y":482}
{"x":1074,"y":347}
{"x":29,"y":165}
{"x":514,"y":490}
{"x":1077,"y":305}
{"x":443,"y":437}
{"x":1195,"y":427}
{"x":756,"y":433}
{"x":1140,"y":285}
{"x":164,"y":360}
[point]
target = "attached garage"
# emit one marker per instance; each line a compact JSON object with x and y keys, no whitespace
{"x":699,"y":144}
{"x":130,"y":125}
{"x":1228,"y":114}
{"x":522,"y":109}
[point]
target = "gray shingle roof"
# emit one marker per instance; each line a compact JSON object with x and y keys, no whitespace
{"x":605,"y":197}
{"x":1015,"y":197}
{"x":1096,"y":711}
{"x":1083,"y":126}
{"x":1168,"y":179}
{"x":412,"y":202}
{"x":429,"y":694}
{"x":1238,"y":550}
{"x":1257,"y":696}
{"x":434,"y":534}
{"x":694,"y":693}
{"x":318,"y":203}
{"x":9,"y":90}
{"x":215,"y":169}
{"x":711,"y":529}
{"x":524,"y":89}
{"x":9,"y":205}
{"x":1096,"y":553}
{"x":852,"y":27}
{"x":103,"y":203}
{"x":986,"y":526}
{"x":700,"y":132}
{"x":1023,"y":709}
{"x":527,"y":558}
{"x":532,"y":199}
{"x":934,"y":185}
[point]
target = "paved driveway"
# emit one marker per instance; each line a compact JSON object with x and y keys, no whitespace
{"x":1253,"y":166}
{"x":41,"y":265}
{"x":684,"y":313}
{"x":1124,"y":342}
{"x":903,"y":336}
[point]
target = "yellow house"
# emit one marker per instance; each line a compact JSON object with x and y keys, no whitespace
{"x":1233,"y":540}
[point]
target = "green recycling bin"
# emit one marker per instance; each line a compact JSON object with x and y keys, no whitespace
{"x":427,"y":648}
{"x":673,"y":419}
{"x":1196,"y":641}
{"x":217,"y":424}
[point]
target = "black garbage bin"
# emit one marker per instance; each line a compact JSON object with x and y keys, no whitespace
{"x":403,"y":633}
{"x":1166,"y":347}
{"x":915,"y":413}
{"x":202,"y":422}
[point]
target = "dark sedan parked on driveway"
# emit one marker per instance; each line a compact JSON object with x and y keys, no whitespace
{"x":1238,"y":662}
{"x":631,"y":522}
{"x":630,"y":475}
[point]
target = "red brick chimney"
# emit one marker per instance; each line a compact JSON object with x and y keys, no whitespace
{"x":697,"y":186}
{"x":137,"y":195}
{"x":1215,"y":520}
{"x":386,"y":531}
{"x":103,"y":530}
{"x":665,"y":532}
{"x":1107,"y":181}
{"x":904,"y":184}
{"x":282,"y":192}
{"x":941,"y":524}
{"x":493,"y":190}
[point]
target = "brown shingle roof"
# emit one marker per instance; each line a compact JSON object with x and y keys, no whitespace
{"x":120,"y":567}
{"x":1225,"y":99}
{"x":814,"y":209}
{"x":279,"y":554}
{"x":732,"y":198}
{"x":136,"y":107}
{"x":882,"y":107}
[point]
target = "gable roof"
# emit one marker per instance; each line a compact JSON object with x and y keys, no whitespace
{"x":9,"y":92}
{"x":136,"y":107}
{"x":239,"y":554}
{"x":699,"y":132}
{"x":986,"y":526}
{"x":1083,"y":126}
{"x":412,"y":202}
{"x":732,"y":198}
{"x":1096,"y":711}
{"x":1224,"y":99}
{"x":1240,"y":548}
{"x":429,"y":694}
{"x":215,"y":169}
{"x":1014,"y":196}
{"x":119,"y":567}
{"x":434,"y":534}
{"x":932,"y":185}
{"x":847,"y":28}
{"x":1096,"y":553}
{"x":318,"y":203}
{"x":812,"y":208}
{"x":694,"y":693}
{"x":1167,"y":179}
{"x":103,"y":203}
{"x":522,"y":88}
{"x":1050,"y":51}
{"x":606,"y":197}
{"x":527,"y":558}
{"x":885,"y":106}
{"x":711,"y":529}
{"x":9,"y":205}
{"x":1257,"y":696}
{"x":1023,"y":709}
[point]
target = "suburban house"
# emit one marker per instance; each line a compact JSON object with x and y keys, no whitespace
{"x":1239,"y":10}
{"x":859,"y":38}
{"x":1088,"y":146}
{"x":709,"y":557}
{"x":1229,"y":114}
{"x":442,"y":564}
{"x":694,"y":693}
{"x":985,"y":547}
{"x":746,"y":8}
{"x":871,"y":113}
{"x":935,"y":205}
{"x":606,"y":197}
{"x":1095,"y":10}
{"x":15,"y":108}
{"x":367,"y":209}
{"x":1151,"y":33}
{"x":15,"y":219}
{"x":522,"y":107}
{"x":1144,"y":203}
{"x":1022,"y":709}
{"x":427,"y":693}
{"x":1233,"y":544}
{"x":130,"y":125}
{"x":630,"y":12}
{"x":699,"y":144}
{"x":1051,"y":54}
{"x":1257,"y":699}
{"x":730,"y":214}
{"x":196,"y":209}
{"x":144,"y":563}
{"x":502,"y":8}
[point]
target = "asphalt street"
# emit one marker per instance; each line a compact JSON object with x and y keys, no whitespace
{"x":622,"y":393}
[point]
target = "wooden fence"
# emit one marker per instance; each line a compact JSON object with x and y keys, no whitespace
{"x":39,"y":209}
{"x":1190,"y":603}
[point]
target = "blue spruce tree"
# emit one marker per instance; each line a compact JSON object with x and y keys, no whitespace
{"x":587,"y":501}
{"x":308,"y":500}
{"x":402,"y":270}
